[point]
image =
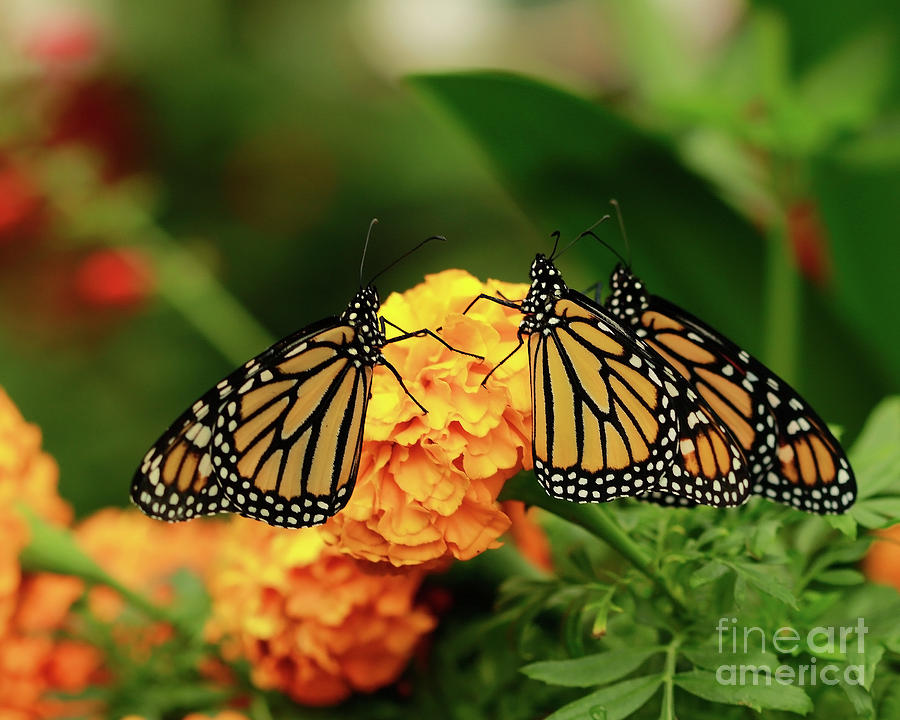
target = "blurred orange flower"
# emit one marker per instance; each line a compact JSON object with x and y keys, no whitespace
{"x":882,"y":563}
{"x":33,"y":607}
{"x":143,"y":554}
{"x":27,"y":474}
{"x":313,"y":623}
{"x":528,"y":535}
{"x":428,"y":484}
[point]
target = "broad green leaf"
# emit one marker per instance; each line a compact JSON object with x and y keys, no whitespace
{"x":858,"y":202}
{"x":876,"y":453}
{"x":590,"y":670}
{"x":861,"y":69}
{"x":758,"y":697}
{"x":611,"y":703}
{"x":562,"y":157}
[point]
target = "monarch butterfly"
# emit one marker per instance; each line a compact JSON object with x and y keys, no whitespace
{"x":793,"y":457}
{"x":279,"y":439}
{"x":610,"y":419}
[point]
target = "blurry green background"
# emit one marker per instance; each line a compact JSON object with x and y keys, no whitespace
{"x":239,"y":150}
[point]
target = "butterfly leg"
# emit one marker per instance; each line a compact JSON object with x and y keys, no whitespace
{"x":508,"y":356}
{"x":396,"y":374}
{"x":422,"y":333}
{"x":483,"y":296}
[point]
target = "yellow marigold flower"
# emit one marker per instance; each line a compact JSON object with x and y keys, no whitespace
{"x":312,"y":622}
{"x":428,"y":484}
{"x":143,"y":554}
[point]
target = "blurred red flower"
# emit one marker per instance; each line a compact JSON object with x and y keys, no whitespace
{"x":64,"y":40}
{"x":20,"y":202}
{"x":809,"y":241}
{"x":113,"y":278}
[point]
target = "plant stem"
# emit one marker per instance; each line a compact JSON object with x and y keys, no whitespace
{"x":189,"y":287}
{"x":782,"y":303}
{"x":668,"y":707}
{"x":54,"y":549}
{"x":594,"y":518}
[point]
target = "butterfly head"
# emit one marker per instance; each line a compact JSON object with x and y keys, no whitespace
{"x":628,"y":297}
{"x":547,"y":286}
{"x":362,"y":315}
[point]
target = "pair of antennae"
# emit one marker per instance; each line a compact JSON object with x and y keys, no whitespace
{"x":590,"y":231}
{"x":553,"y":255}
{"x":362,"y":262}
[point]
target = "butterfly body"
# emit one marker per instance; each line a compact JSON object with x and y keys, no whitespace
{"x":793,"y":457}
{"x":279,"y":439}
{"x":609,"y":419}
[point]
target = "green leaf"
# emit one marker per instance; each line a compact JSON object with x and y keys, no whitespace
{"x":841,"y":577}
{"x":758,"y":697}
{"x":861,"y":70}
{"x":766,"y":579}
{"x":845,"y":524}
{"x":712,"y":570}
{"x":597,"y":669}
{"x":708,"y":657}
{"x":561,"y":157}
{"x":611,"y":703}
{"x":876,"y":453}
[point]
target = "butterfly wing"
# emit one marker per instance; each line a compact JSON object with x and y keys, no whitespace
{"x":287,"y":440}
{"x":793,"y":457}
{"x":611,"y":420}
{"x":277,"y":440}
{"x":174,"y":479}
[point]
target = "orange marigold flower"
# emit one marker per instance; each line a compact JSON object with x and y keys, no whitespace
{"x":313,"y":623}
{"x":143,"y":554}
{"x":528,"y":535}
{"x":33,"y":607}
{"x":882,"y":562}
{"x":428,"y":484}
{"x":27,"y":474}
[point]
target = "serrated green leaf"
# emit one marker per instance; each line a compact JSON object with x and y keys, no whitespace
{"x":758,"y":697}
{"x":860,"y":699}
{"x":708,"y":656}
{"x":712,"y":570}
{"x":846,"y":524}
{"x":765,"y":578}
{"x":611,"y":703}
{"x":597,"y":669}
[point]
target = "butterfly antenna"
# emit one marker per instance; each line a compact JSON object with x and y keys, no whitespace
{"x":615,"y":204}
{"x":589,"y":231}
{"x":406,"y":255}
{"x":362,"y":263}
{"x":555,"y":235}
